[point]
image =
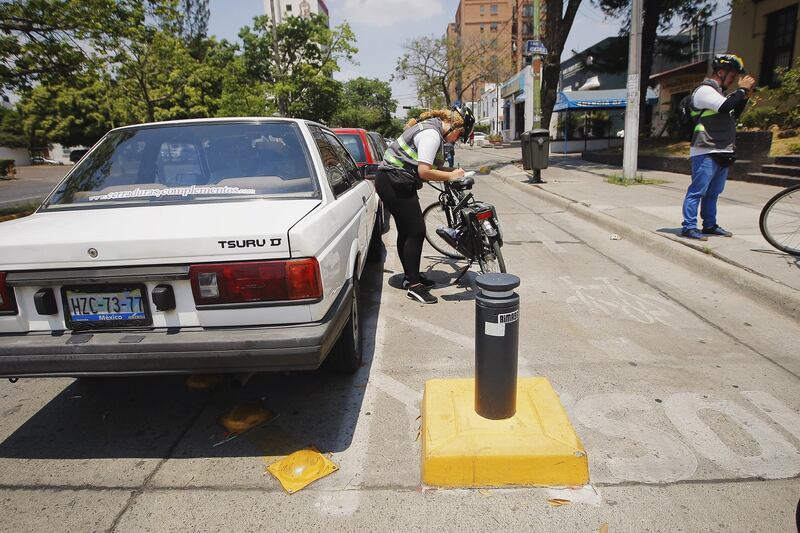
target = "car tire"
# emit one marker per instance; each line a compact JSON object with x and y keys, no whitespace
{"x":346,"y":355}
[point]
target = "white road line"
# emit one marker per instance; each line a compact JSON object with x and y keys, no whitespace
{"x":770,"y":406}
{"x":455,"y":338}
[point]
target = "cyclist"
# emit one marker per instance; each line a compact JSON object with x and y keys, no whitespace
{"x":409,"y":161}
{"x":713,"y":143}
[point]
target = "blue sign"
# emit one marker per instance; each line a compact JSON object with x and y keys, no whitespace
{"x":535,"y":48}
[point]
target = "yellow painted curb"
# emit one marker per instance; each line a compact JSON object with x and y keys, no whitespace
{"x":537,"y":446}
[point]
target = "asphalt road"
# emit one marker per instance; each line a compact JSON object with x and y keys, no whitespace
{"x":32,"y":184}
{"x":684,"y":393}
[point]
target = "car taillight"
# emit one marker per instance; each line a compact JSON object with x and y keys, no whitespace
{"x":484,"y":215}
{"x":258,"y":281}
{"x":8,"y":305}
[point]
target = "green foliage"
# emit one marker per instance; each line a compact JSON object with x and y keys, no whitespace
{"x":161,"y":66}
{"x":366,"y":103}
{"x":77,"y":113}
{"x":780,"y":105}
{"x":50,"y":40}
{"x":12,"y":134}
{"x":483,"y":128}
{"x":7,"y":167}
{"x":299,"y":67}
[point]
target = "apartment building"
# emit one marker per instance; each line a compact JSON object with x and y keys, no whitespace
{"x":295,"y":8}
{"x":499,"y":28}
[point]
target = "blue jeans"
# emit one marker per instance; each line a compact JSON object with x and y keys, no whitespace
{"x":708,"y":181}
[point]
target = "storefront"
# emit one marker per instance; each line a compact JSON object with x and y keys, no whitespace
{"x":514,"y":93}
{"x":590,"y":120}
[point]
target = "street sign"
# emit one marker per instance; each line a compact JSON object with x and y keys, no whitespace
{"x":535,"y":48}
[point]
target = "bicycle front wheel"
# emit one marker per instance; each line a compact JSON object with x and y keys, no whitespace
{"x":491,"y":260}
{"x":780,"y":220}
{"x":435,"y":217}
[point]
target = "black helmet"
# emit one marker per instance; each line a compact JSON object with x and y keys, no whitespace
{"x":729,"y":62}
{"x":469,"y":121}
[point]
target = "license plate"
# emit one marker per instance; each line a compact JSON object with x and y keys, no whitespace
{"x":106,"y":306}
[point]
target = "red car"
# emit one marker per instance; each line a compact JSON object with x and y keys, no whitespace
{"x":366,"y":147}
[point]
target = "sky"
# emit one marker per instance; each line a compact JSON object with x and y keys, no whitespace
{"x":382,"y":26}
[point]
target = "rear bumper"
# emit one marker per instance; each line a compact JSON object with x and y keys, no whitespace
{"x":175,"y":351}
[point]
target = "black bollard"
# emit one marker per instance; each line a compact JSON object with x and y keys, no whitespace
{"x":496,"y":345}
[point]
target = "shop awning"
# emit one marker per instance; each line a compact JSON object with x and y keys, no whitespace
{"x":603,"y":99}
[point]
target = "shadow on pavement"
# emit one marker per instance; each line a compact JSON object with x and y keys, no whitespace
{"x":158,"y":417}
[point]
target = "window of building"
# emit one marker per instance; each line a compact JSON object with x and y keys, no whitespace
{"x":289,"y":8}
{"x":494,"y":26}
{"x":494,"y":9}
{"x":483,"y":9}
{"x":527,"y":10}
{"x":778,"y":44}
{"x":483,"y":27}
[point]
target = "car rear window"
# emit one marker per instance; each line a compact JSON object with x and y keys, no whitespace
{"x":185,"y":163}
{"x":352,"y":142}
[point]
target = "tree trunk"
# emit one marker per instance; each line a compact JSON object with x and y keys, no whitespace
{"x":652,"y":14}
{"x":551,"y":68}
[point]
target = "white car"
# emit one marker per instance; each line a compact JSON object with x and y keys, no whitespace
{"x":214,"y":245}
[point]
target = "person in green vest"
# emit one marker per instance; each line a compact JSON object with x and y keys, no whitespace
{"x":713,"y":148}
{"x":410,"y":160}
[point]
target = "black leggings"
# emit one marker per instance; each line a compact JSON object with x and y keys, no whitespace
{"x":407,"y":214}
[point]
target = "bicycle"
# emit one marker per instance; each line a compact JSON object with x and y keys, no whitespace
{"x":477,"y":235}
{"x":780,"y":220}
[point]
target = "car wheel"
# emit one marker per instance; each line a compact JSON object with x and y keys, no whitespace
{"x":346,"y":356}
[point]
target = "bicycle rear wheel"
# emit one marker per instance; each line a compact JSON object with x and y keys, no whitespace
{"x":435,"y":217}
{"x":491,"y":260}
{"x":780,"y":220}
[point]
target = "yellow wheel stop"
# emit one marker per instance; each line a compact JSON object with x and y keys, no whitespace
{"x":535,"y":447}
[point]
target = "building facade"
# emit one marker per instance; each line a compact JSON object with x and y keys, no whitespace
{"x":489,"y":108}
{"x":498,"y":29}
{"x":765,"y":34}
{"x":295,"y":8}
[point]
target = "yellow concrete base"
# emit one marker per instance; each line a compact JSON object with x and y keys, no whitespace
{"x":537,"y":446}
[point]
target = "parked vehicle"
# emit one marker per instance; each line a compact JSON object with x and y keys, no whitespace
{"x":212,"y":245}
{"x":460,"y":227}
{"x":77,"y":154}
{"x":367,"y":148}
{"x":40,"y":160}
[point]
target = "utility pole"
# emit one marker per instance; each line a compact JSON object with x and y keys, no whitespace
{"x":631,"y":151}
{"x":281,"y":103}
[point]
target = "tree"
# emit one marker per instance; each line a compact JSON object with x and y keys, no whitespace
{"x":74,"y":113}
{"x":43,"y":40}
{"x":437,"y":64}
{"x":11,"y":131}
{"x":192,"y":26}
{"x":657,"y":14}
{"x":241,"y":95}
{"x":366,"y":103}
{"x":558,"y":23}
{"x":300,"y":75}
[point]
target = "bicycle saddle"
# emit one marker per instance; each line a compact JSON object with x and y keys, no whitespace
{"x":462,"y":183}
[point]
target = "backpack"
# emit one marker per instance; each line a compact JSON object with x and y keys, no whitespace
{"x":686,"y":122}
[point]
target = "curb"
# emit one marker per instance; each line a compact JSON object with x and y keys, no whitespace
{"x":766,"y":291}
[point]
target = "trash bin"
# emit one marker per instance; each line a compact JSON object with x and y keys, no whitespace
{"x":538,"y":149}
{"x":526,"y":150}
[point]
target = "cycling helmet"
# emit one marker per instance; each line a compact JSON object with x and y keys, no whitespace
{"x":729,"y":62}
{"x":469,"y":121}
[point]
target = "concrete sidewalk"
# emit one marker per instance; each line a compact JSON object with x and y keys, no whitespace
{"x":655,"y":211}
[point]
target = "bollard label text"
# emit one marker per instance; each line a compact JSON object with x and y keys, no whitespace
{"x":505,"y":318}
